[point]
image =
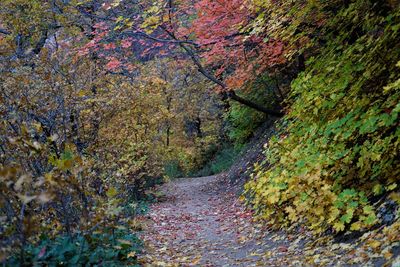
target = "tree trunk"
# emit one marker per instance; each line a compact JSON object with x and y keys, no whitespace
{"x":232,"y":95}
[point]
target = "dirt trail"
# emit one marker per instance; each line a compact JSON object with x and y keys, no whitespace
{"x":202,"y":224}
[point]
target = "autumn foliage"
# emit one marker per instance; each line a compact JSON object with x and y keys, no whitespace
{"x":239,"y":56}
{"x":102,"y":100}
{"x":337,"y":148}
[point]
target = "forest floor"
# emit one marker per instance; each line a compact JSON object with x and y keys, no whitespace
{"x":201,"y":222}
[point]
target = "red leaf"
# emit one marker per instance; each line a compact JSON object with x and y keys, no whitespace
{"x":42,"y":252}
{"x":113,"y":64}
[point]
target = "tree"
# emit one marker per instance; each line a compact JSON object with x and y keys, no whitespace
{"x":162,"y":29}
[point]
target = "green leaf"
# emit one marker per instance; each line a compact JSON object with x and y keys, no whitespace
{"x":111,"y":192}
{"x":346,"y":218}
{"x":378,"y":189}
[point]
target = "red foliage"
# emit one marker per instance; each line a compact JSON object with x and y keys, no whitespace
{"x":219,"y":30}
{"x":113,"y":63}
{"x":109,"y":46}
{"x":126,"y":43}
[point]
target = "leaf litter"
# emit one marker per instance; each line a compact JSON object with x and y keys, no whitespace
{"x":202,"y":222}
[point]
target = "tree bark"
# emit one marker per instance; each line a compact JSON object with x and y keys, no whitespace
{"x":232,"y":95}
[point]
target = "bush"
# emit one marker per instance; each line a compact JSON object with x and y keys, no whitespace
{"x":220,"y":162}
{"x":111,"y":248}
{"x":241,"y":120}
{"x":173,"y":169}
{"x":340,"y":146}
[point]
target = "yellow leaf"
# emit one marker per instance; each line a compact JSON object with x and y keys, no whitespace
{"x":388,"y":255}
{"x":374,"y":244}
{"x":49,"y":178}
{"x":395,"y":197}
{"x":319,"y":210}
{"x":333,"y":214}
{"x":339,"y":226}
{"x":81,"y":93}
{"x":378,"y":189}
{"x":131,"y":254}
{"x":111,"y":192}
{"x":391,"y":187}
{"x":355,"y":226}
{"x":274,"y":198}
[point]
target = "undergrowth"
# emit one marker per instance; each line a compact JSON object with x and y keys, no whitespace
{"x":339,"y":143}
{"x":242,"y":121}
{"x":220,"y":162}
{"x":112,"y":247}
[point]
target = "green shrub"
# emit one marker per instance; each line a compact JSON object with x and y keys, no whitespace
{"x":132,"y":208}
{"x":111,"y":248}
{"x":241,"y":120}
{"x":220,"y":162}
{"x":173,"y":170}
{"x":340,"y":146}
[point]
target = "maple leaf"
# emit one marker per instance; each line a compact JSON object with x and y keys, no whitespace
{"x":109,"y":46}
{"x":126,"y":43}
{"x":113,"y":64}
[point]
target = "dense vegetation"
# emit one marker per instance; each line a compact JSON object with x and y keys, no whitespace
{"x":339,"y":142}
{"x":102,"y":100}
